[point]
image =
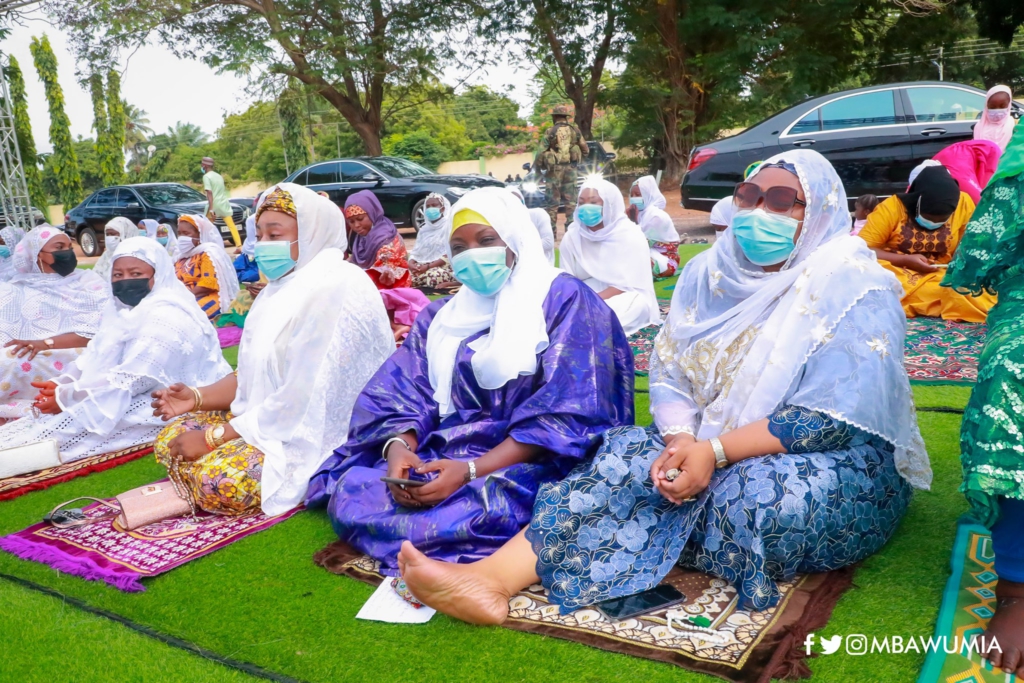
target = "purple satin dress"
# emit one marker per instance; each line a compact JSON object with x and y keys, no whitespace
{"x":583,"y":386}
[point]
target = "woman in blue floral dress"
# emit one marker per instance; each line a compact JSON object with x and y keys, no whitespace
{"x":785,"y":438}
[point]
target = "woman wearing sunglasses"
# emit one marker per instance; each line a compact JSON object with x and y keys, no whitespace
{"x":915,"y":236}
{"x":784,"y":439}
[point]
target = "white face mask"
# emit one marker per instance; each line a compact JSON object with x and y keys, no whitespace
{"x":185,"y":244}
{"x":997,"y":115}
{"x":111,"y":242}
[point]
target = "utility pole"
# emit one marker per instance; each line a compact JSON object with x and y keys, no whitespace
{"x":938,"y":63}
{"x":15,"y":205}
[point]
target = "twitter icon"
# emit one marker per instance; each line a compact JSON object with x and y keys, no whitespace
{"x":829,"y":646}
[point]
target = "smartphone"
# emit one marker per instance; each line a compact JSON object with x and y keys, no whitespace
{"x":403,"y":482}
{"x":656,"y":598}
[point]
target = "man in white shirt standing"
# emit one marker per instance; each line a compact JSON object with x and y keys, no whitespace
{"x":217,"y":204}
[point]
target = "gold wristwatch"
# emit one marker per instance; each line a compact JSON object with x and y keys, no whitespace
{"x":215,"y":437}
{"x":49,"y":343}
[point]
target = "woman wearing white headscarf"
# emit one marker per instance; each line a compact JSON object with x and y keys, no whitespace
{"x":495,"y":391}
{"x":428,"y":259}
{"x":314,"y":336}
{"x":606,"y":250}
{"x":117,"y":230}
{"x":9,"y":238}
{"x":204,"y":266}
{"x":163,"y":234}
{"x":541,"y":221}
{"x":49,"y":310}
{"x":996,"y":124}
{"x":785,"y":439}
{"x":647,"y":208}
{"x":152,"y":335}
{"x":721,"y":214}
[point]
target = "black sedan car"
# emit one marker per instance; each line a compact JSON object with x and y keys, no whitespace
{"x":401,"y":185}
{"x":873,"y":136}
{"x":163,"y":202}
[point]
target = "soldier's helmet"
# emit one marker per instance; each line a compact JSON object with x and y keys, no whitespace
{"x":561,"y":110}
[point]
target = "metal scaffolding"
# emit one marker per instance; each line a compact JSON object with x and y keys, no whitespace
{"x":15,"y":205}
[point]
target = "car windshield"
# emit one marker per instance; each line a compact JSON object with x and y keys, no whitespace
{"x":399,"y":168}
{"x":168,"y":194}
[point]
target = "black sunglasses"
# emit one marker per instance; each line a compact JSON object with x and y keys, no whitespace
{"x":776,"y":199}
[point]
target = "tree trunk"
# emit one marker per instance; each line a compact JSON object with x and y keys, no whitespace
{"x":370,"y":135}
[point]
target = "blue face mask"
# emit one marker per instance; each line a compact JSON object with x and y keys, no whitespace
{"x":274,"y":259}
{"x":929,"y":225}
{"x":162,"y":240}
{"x":638,"y":202}
{"x":432,"y":213}
{"x":590,"y":214}
{"x":5,"y":251}
{"x":483,"y":269}
{"x":765,"y":238}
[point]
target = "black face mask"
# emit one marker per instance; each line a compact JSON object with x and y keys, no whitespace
{"x":64,"y":262}
{"x":131,"y":292}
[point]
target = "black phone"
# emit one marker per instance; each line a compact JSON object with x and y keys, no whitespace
{"x":659,"y":597}
{"x":403,"y":482}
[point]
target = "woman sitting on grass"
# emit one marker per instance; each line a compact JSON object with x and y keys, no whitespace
{"x":9,"y":238}
{"x":497,"y":390}
{"x":784,"y":441}
{"x":314,"y":336}
{"x":374,"y":242}
{"x":647,"y":209}
{"x":610,"y":254}
{"x":152,"y":335}
{"x":116,"y":231}
{"x":428,"y":259}
{"x":49,"y":310}
{"x":204,"y":266}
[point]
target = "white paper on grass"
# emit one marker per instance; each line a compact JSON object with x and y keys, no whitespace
{"x":387,"y":605}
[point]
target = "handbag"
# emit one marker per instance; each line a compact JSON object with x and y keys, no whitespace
{"x":30,"y":458}
{"x":147,"y":504}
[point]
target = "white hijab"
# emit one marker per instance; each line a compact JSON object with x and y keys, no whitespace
{"x":165,"y":339}
{"x":152,"y":231}
{"x":312,"y":340}
{"x":38,"y":305}
{"x":617,"y":254}
{"x":432,"y":239}
{"x":541,"y":221}
{"x":211,"y":242}
{"x":656,"y":224}
{"x":722,"y":211}
{"x":11,"y":236}
{"x":126,"y":229}
{"x":518,"y":330}
{"x":798,"y":314}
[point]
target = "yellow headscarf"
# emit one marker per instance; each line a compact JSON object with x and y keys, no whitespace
{"x":464,"y":217}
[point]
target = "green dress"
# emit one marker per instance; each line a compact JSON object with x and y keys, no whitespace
{"x":991,"y":258}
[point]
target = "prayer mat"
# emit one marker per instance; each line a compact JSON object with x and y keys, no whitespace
{"x":748,"y":647}
{"x":968,"y":602}
{"x":641,"y":342}
{"x":105,"y":552}
{"x":12,"y":487}
{"x":942,"y":351}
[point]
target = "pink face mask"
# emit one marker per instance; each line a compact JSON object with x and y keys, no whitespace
{"x":997,"y":115}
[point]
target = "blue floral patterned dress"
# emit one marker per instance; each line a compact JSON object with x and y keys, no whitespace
{"x":605,"y":531}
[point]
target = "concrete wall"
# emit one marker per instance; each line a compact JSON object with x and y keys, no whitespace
{"x":500,"y":167}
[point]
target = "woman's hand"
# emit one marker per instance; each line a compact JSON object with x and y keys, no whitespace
{"x":453,"y":474}
{"x":254,"y":288}
{"x":417,"y":268}
{"x":23,"y":348}
{"x":632,"y":213}
{"x":46,"y":400}
{"x":400,"y":461}
{"x":173,"y":401}
{"x":695,"y":462}
{"x":918,"y":263}
{"x":189,"y":446}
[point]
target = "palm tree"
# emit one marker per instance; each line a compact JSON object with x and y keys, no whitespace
{"x":137,"y":132}
{"x":186,"y":134}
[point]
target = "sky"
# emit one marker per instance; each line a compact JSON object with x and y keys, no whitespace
{"x":167,"y":88}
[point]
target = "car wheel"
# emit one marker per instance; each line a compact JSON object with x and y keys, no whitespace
{"x":418,"y":217}
{"x":90,"y":245}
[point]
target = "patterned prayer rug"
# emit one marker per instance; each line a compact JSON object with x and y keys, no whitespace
{"x":641,"y":342}
{"x":105,"y":552}
{"x":12,"y":487}
{"x":967,"y":605}
{"x":943,"y":352}
{"x":734,"y":644}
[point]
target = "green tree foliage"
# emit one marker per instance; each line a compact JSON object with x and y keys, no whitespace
{"x":489,"y":117}
{"x":186,"y":134}
{"x":89,"y":165}
{"x":65,"y":161}
{"x":295,"y":141}
{"x":418,"y":146}
{"x":117,"y":126}
{"x":351,"y":53}
{"x":136,"y":136}
{"x":23,"y":131}
{"x":111,"y":174}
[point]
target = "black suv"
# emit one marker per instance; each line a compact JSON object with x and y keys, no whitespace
{"x":163,"y":202}
{"x":401,"y":185}
{"x":873,"y":136}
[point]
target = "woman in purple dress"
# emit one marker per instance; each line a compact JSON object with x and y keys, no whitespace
{"x":497,"y":390}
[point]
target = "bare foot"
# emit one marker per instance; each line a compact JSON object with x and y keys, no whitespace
{"x":454,"y":589}
{"x":1007,"y":627}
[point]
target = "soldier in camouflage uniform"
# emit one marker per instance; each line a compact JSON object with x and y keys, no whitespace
{"x":564,"y":149}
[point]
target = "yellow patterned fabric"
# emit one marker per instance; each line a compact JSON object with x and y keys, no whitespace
{"x":279,"y":200}
{"x":225,"y":481}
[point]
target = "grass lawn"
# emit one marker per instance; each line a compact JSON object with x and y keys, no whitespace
{"x":262,"y":600}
